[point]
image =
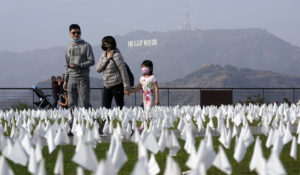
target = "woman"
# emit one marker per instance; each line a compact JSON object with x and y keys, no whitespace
{"x":60,"y":85}
{"x":64,"y":101}
{"x":54,"y":91}
{"x":115,"y":76}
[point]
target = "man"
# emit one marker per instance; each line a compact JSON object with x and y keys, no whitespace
{"x":79,"y":58}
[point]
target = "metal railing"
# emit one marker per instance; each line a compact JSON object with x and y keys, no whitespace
{"x":168,"y":96}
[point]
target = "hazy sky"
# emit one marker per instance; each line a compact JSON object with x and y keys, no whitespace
{"x":34,"y":24}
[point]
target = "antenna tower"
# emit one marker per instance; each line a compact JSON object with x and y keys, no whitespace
{"x":186,"y":24}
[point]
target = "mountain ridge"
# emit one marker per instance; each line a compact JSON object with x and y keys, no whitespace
{"x":216,"y":76}
{"x":178,"y":53}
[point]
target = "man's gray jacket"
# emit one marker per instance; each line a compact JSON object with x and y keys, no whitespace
{"x":114,"y":70}
{"x":81,"y":54}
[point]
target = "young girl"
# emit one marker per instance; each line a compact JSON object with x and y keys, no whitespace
{"x":149,"y":84}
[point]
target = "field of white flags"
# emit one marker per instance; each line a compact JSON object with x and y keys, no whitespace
{"x":240,"y":139}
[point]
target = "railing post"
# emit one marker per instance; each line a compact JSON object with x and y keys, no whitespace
{"x":168,"y":97}
{"x":263,"y":94}
{"x":293,"y":95}
{"x":32,"y":98}
{"x":200,"y":96}
{"x":232,"y":96}
{"x":135,"y":99}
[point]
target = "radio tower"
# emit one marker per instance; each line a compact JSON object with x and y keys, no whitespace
{"x":186,"y":24}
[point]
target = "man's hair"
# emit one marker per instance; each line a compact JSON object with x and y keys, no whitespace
{"x":111,"y":41}
{"x":59,"y":77}
{"x":149,"y":64}
{"x":74,"y":26}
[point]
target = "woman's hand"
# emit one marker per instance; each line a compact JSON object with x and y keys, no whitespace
{"x":127,"y":92}
{"x":109,"y":54}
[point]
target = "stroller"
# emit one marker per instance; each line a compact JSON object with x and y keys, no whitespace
{"x":43,"y":102}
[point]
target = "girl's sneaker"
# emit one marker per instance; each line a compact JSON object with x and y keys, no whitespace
{"x":141,"y":130}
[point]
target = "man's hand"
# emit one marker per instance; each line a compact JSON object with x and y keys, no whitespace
{"x":65,"y":86}
{"x":73,"y":66}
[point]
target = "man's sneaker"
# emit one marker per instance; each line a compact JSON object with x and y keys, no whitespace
{"x":70,"y":134}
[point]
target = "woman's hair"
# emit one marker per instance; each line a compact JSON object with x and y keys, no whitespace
{"x":109,"y":40}
{"x":53,"y":78}
{"x":148,"y":63}
{"x":65,"y":94}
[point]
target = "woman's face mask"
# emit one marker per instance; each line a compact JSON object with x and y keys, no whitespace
{"x":145,"y":70}
{"x":103,"y":47}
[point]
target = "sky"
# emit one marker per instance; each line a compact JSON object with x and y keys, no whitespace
{"x":39,"y":24}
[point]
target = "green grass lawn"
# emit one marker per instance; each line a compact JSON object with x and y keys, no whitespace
{"x":131,"y":149}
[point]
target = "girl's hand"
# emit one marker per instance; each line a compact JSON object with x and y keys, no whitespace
{"x":156,"y":102}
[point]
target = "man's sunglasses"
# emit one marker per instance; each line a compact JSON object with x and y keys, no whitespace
{"x":76,"y":33}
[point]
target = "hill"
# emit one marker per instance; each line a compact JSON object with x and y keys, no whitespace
{"x":216,"y":76}
{"x":181,"y":52}
{"x":176,"y":54}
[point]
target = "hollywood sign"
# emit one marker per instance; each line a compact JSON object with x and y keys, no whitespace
{"x":142,"y":43}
